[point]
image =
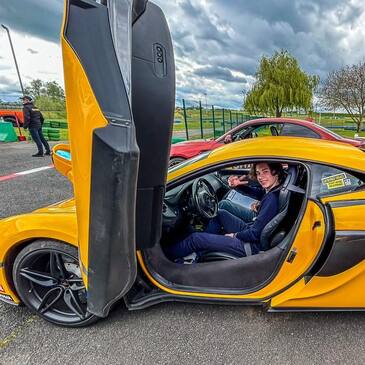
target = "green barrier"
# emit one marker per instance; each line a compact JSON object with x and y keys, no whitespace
{"x":7,"y":133}
{"x":55,"y":124}
{"x":177,"y":139}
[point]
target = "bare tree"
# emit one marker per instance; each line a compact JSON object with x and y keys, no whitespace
{"x":345,"y":89}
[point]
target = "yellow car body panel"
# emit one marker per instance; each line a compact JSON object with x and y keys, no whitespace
{"x":56,"y":222}
{"x":348,"y":217}
{"x":304,"y":149}
{"x":84,"y":115}
{"x":344,"y":290}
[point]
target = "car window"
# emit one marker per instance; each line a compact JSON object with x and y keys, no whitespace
{"x":265,"y":130}
{"x":328,"y":180}
{"x":240,"y":134}
{"x":296,"y":130}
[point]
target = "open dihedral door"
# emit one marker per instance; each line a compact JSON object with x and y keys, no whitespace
{"x":97,"y":56}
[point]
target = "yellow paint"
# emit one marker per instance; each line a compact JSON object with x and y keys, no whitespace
{"x":56,"y":222}
{"x":63,"y":166}
{"x":84,"y":115}
{"x":350,"y":218}
{"x":320,"y":151}
{"x":337,"y":291}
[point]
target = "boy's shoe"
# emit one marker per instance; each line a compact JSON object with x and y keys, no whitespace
{"x":48,"y":153}
{"x":38,"y":155}
{"x":190,"y":259}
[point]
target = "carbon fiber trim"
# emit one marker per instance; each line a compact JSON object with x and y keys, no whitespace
{"x":347,"y":251}
{"x":346,"y":203}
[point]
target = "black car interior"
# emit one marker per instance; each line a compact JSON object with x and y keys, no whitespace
{"x":184,"y":213}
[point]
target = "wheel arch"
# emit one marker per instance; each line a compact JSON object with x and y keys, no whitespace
{"x":14,"y":251}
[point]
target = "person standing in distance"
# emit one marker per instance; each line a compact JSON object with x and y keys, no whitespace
{"x":33,"y":119}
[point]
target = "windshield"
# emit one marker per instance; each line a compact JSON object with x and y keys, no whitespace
{"x":192,"y":160}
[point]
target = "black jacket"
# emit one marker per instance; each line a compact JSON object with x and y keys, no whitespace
{"x":33,"y":118}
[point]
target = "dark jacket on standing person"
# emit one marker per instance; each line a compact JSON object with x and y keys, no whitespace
{"x":33,"y":118}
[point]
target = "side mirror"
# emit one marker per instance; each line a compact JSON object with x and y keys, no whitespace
{"x":62,"y":160}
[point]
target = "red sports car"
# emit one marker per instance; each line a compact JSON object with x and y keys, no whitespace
{"x":258,"y":128}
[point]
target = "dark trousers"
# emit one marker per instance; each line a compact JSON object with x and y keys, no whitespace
{"x":212,"y":239}
{"x":38,"y":138}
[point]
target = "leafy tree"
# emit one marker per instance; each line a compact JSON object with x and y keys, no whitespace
{"x":39,"y":88}
{"x":345,"y":89}
{"x":48,"y":96}
{"x":54,"y":91}
{"x":280,"y":84}
{"x":35,"y":89}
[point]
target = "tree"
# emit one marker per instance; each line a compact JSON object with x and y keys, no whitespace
{"x":54,"y":91}
{"x":48,"y":96}
{"x":51,"y":89}
{"x":345,"y":89}
{"x":280,"y":84}
{"x":35,"y":89}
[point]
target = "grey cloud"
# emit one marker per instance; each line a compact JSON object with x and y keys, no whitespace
{"x":9,"y":89}
{"x":219,"y":73}
{"x":41,"y":18}
{"x":4,"y":80}
{"x":220,"y":37}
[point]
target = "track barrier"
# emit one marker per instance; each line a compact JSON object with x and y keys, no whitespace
{"x":7,"y":133}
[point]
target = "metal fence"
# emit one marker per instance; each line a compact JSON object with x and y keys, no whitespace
{"x":193,"y":120}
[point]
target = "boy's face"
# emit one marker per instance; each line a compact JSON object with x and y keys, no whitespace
{"x":265,"y":177}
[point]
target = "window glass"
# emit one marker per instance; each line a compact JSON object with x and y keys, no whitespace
{"x":240,"y":134}
{"x":296,"y":130}
{"x":329,"y":180}
{"x":265,"y":130}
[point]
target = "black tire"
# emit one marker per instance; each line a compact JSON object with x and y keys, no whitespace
{"x":175,"y":161}
{"x":47,"y":278}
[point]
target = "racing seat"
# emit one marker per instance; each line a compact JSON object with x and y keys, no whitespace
{"x":274,"y":131}
{"x":274,"y":232}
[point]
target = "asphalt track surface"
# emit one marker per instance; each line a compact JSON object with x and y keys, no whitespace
{"x":170,"y":333}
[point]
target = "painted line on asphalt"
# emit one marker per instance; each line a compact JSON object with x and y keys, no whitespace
{"x":26,"y":172}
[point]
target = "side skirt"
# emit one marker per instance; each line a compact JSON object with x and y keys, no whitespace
{"x":142,"y":296}
{"x":315,"y":309}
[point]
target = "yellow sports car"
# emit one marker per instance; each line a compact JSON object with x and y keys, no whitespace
{"x":70,"y":262}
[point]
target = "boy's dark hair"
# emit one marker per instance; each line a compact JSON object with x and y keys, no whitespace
{"x":276,"y":168}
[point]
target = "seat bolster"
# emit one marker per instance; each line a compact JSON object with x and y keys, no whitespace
{"x":216,"y":256}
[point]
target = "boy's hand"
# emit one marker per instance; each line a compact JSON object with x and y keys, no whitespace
{"x":234,"y":181}
{"x":255,"y":206}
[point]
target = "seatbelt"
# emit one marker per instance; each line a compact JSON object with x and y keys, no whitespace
{"x":248,"y":249}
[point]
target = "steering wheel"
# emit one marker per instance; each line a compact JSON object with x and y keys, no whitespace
{"x":204,"y":198}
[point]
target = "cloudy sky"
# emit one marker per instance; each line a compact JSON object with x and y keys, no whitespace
{"x":218,"y":43}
